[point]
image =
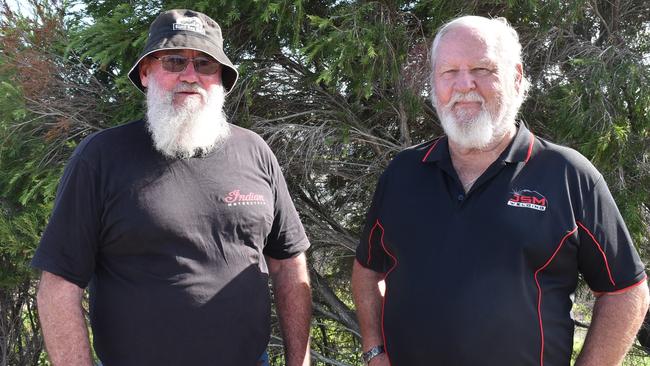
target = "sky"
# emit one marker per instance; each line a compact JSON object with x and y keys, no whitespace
{"x":21,"y":5}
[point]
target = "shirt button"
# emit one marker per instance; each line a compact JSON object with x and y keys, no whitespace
{"x":461,"y":197}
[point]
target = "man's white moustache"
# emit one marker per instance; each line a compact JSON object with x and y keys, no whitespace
{"x":189,"y":88}
{"x":467,"y":97}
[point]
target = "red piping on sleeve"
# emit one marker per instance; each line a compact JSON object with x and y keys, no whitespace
{"x":621,"y":290}
{"x":539,"y":292}
{"x":383,"y":304}
{"x":430,"y":150}
{"x":600,"y":249}
{"x":370,"y":241}
{"x":530,"y":147}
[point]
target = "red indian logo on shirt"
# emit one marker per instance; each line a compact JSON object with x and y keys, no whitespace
{"x":528,"y":199}
{"x":235,"y":198}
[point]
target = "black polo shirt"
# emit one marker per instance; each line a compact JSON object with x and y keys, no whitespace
{"x":486,"y":278}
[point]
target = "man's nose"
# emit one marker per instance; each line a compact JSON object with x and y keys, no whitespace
{"x":465,"y":81}
{"x":189,"y":74}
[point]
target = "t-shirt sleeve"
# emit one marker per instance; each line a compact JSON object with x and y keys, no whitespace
{"x":606,"y":256}
{"x":287,"y":237}
{"x":70,"y":240}
{"x":370,"y":251}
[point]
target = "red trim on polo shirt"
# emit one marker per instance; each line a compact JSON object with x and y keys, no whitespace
{"x":596,"y":293}
{"x":600,"y":249}
{"x":370,"y":241}
{"x":530,"y":147}
{"x":539,"y":292}
{"x":435,"y":143}
{"x":383,"y":303}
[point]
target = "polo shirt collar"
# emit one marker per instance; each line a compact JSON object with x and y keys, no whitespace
{"x":521,"y":147}
{"x":439,"y":151}
{"x":519,"y":150}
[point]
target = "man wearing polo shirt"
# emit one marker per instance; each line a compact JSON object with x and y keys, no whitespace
{"x":176,"y":223}
{"x":474,"y":241}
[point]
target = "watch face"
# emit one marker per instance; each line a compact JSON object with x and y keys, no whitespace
{"x":374,"y":351}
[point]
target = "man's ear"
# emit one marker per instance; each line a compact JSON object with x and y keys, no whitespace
{"x":143,"y":70}
{"x":519,"y":75}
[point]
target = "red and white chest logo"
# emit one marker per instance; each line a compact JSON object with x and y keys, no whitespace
{"x":528,"y":199}
{"x":236,"y":198}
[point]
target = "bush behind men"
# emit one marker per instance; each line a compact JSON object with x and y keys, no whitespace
{"x":169,"y":220}
{"x":481,"y":257}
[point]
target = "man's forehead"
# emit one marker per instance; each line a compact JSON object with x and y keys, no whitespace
{"x":181,"y":51}
{"x":463,"y":34}
{"x":465,"y":43}
{"x":483,"y":61}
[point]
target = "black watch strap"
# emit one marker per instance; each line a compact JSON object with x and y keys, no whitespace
{"x":372,"y":353}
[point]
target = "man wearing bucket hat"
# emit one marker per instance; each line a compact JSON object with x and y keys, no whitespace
{"x":175,"y":223}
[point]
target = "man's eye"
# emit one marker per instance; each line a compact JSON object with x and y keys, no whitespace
{"x":482,"y":71}
{"x":176,"y":60}
{"x":448,"y":73}
{"x":202,"y":61}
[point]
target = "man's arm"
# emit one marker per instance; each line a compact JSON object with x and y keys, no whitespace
{"x":368,"y":300}
{"x":293,"y":302}
{"x":615,"y":321}
{"x":62,"y":321}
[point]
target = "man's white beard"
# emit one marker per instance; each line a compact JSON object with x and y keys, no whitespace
{"x":473,"y":132}
{"x":194,"y":128}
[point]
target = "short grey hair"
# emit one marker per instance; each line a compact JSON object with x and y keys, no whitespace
{"x":507,"y":46}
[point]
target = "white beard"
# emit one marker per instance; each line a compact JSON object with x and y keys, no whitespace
{"x":194,"y":128}
{"x":473,"y":132}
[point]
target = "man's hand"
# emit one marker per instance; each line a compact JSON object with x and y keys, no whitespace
{"x":62,"y":320}
{"x":293,"y":301}
{"x":380,"y":360}
{"x":615,"y":322}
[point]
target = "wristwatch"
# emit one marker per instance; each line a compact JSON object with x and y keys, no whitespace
{"x":372,"y":353}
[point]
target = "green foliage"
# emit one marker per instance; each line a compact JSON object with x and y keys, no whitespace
{"x":29,"y":169}
{"x":600,"y":107}
{"x":20,"y":233}
{"x":111,"y":41}
{"x":27,"y":186}
{"x":28,"y":191}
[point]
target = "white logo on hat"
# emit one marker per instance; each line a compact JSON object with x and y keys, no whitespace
{"x":192,"y":24}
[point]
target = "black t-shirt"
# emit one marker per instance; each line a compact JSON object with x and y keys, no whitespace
{"x":486,"y":278}
{"x":173,"y":249}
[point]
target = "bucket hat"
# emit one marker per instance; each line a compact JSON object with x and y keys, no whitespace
{"x":186,"y":29}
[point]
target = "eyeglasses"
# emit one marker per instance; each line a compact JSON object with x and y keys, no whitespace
{"x":178,"y":63}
